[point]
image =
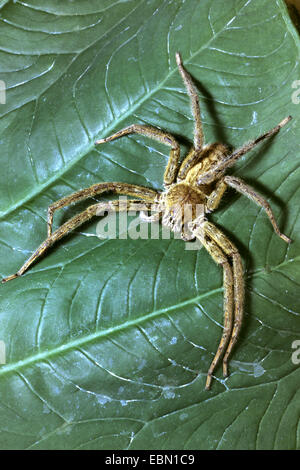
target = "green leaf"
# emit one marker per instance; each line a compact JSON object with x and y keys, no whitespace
{"x":108,"y":342}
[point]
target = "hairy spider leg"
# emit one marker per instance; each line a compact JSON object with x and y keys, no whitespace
{"x":156,"y":134}
{"x":215,"y":196}
{"x":193,"y":94}
{"x":230,"y":250}
{"x":239,"y":185}
{"x":146,"y":194}
{"x":218,"y":168}
{"x":194,"y":154}
{"x":76,"y":221}
{"x":243,"y":188}
{"x":220,"y":258}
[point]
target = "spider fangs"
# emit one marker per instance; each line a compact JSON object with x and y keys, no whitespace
{"x":199,"y":181}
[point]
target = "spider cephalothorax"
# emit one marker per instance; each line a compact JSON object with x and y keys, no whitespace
{"x":193,"y":189}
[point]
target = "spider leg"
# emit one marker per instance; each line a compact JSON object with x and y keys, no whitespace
{"x":244,"y":188}
{"x":230,"y":250}
{"x":75,"y":222}
{"x":191,"y":89}
{"x":118,"y":188}
{"x":156,"y":134}
{"x":228,"y":281}
{"x":215,"y":196}
{"x":230,"y":160}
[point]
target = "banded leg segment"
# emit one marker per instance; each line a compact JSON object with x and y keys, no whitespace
{"x":239,"y":295}
{"x":250,"y":192}
{"x":230,"y":250}
{"x":220,"y":258}
{"x":215,"y":196}
{"x":218,"y":168}
{"x":146,"y":194}
{"x":191,"y":89}
{"x":160,"y":136}
{"x":238,"y":153}
{"x":76,"y":221}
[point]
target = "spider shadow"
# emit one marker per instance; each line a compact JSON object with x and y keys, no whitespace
{"x":211,"y":106}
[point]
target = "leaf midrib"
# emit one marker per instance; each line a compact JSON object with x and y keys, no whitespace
{"x":77,"y":343}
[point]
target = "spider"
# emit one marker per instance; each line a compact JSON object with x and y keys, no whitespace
{"x":199,"y":181}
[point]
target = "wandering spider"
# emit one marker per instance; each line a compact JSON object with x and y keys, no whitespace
{"x":199,"y":181}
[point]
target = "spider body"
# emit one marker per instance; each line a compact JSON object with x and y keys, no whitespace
{"x":192,"y":190}
{"x":179,"y":206}
{"x":182,"y":201}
